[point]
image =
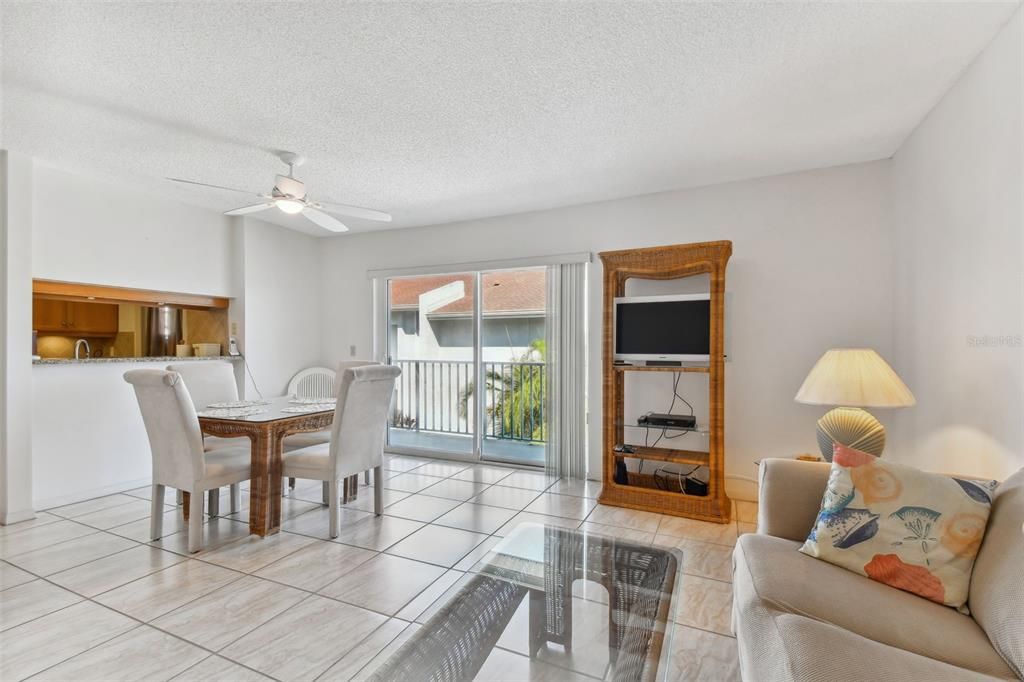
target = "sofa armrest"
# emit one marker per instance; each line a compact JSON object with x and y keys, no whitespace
{"x":789,"y":497}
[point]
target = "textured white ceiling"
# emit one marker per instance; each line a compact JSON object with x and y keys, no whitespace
{"x":445,"y":111}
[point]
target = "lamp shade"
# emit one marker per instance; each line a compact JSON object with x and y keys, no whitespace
{"x":854,"y":377}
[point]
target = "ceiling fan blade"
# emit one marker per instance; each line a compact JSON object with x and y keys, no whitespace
{"x":323,"y":220}
{"x":206,"y":184}
{"x":356,"y":211}
{"x":248,"y":209}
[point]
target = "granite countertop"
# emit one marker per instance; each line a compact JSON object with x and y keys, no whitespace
{"x":83,"y":361}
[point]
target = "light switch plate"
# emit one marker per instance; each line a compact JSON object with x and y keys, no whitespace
{"x":352,"y":351}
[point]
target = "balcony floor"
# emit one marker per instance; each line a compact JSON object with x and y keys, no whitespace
{"x":516,"y":452}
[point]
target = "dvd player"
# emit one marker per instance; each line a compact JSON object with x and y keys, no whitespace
{"x":659,"y":420}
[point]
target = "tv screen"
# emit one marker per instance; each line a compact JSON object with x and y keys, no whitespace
{"x":674,"y":328}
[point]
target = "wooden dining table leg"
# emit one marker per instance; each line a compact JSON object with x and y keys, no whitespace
{"x":275,"y":482}
{"x":259,"y":486}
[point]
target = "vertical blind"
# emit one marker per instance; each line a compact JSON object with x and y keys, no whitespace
{"x":567,"y":370}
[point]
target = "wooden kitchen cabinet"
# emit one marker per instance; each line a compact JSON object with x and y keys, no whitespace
{"x":93,"y":318}
{"x":49,"y":316}
{"x":73,"y":318}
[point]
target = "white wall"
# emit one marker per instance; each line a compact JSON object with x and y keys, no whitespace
{"x":959,"y":313}
{"x":87,"y":437}
{"x":15,"y":337}
{"x":810,"y":271}
{"x":282,"y":304}
{"x":93,"y":231}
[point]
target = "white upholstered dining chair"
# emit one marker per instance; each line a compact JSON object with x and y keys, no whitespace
{"x":176,"y":445}
{"x":211,"y":382}
{"x":357,"y":437}
{"x":317,"y":382}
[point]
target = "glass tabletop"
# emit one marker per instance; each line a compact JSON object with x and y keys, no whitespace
{"x":547,"y":603}
{"x":268,"y":410}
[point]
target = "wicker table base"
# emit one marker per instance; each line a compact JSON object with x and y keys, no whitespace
{"x":541,"y":563}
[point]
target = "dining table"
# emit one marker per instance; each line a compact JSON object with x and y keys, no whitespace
{"x":266,"y":423}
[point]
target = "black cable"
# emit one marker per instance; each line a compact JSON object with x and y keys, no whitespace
{"x":675,"y":393}
{"x":678,"y":474}
{"x":249,"y":372}
{"x":676,"y":376}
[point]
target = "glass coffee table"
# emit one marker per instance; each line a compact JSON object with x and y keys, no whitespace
{"x":568,"y":604}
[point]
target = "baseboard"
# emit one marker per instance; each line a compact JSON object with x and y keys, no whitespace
{"x":741,"y":488}
{"x":461,"y":458}
{"x":17,"y":517}
{"x":71,"y":498}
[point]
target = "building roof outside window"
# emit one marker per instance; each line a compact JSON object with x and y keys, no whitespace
{"x":508,"y":293}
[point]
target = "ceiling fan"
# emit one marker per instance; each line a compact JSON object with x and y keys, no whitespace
{"x":289,"y":196}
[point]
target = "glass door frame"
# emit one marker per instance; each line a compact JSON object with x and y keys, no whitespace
{"x":479,"y":403}
{"x":382,"y":350}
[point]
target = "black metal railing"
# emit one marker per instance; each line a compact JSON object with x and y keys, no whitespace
{"x":440,"y":396}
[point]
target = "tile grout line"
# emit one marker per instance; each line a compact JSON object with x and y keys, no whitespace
{"x":242,"y":576}
{"x":372,"y":658}
{"x":554,"y":664}
{"x":308,"y":596}
{"x":310,"y":593}
{"x":53,"y":510}
{"x":17,"y":554}
{"x":13,"y":556}
{"x":86,"y":563}
{"x":233,"y":662}
{"x":677,"y":624}
{"x":84,"y":599}
{"x":18,"y":531}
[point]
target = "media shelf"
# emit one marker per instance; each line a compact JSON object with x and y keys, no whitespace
{"x":642,"y":492}
{"x":692,"y":457}
{"x":640,"y":368}
{"x":651,"y":427}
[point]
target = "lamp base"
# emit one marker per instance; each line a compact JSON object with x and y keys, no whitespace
{"x":852,"y":427}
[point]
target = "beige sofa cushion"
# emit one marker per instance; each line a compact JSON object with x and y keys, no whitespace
{"x":819,"y":651}
{"x":997,"y":585}
{"x":790,"y":494}
{"x":785,"y":580}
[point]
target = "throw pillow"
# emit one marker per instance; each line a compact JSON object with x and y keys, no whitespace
{"x":911,"y":529}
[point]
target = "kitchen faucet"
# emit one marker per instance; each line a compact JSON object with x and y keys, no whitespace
{"x":78,"y":346}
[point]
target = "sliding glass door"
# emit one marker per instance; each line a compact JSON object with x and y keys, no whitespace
{"x":513,"y":369}
{"x":431,"y":338}
{"x":471,"y":349}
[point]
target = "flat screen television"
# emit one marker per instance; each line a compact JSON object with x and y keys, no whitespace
{"x":663,"y":328}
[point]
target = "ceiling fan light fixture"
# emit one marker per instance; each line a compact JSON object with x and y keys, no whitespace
{"x":289,"y":206}
{"x":289,"y":196}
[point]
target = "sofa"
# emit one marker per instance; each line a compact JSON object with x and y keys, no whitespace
{"x":799,"y":618}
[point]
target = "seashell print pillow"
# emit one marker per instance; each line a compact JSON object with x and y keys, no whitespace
{"x":911,"y":529}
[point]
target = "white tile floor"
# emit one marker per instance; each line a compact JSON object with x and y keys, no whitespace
{"x":84,"y":596}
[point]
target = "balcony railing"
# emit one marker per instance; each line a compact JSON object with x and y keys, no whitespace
{"x":440,"y":396}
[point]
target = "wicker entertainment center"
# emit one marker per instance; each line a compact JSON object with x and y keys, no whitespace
{"x":641,"y":491}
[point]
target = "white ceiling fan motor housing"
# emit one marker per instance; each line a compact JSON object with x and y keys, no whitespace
{"x":290,"y":187}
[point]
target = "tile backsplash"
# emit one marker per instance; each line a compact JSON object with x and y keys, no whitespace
{"x":64,"y":347}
